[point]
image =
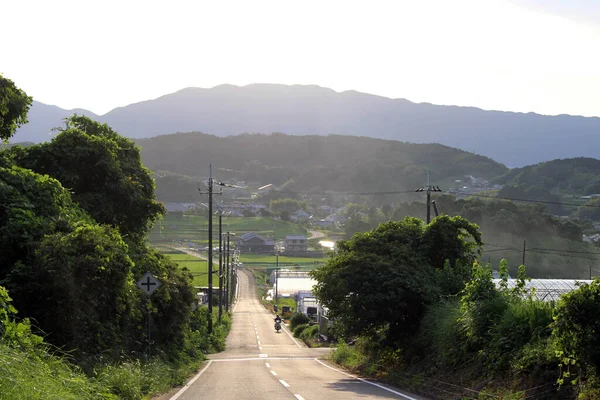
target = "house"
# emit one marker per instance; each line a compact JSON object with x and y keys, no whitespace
{"x":324,"y":223}
{"x":252,"y":242}
{"x":179,"y":207}
{"x":300,"y":215}
{"x":296,"y":244}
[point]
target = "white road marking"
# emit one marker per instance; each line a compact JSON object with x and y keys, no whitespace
{"x":291,"y":337}
{"x":274,"y":373}
{"x":366,"y":381}
{"x":190,"y":383}
{"x":262,"y":356}
{"x":260,"y":347}
{"x":267,"y":365}
{"x":298,"y":397}
{"x":284,"y":383}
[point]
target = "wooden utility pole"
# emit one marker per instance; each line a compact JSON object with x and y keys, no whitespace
{"x":210,"y":249}
{"x":429,"y":189}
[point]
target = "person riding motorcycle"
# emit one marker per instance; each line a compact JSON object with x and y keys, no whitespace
{"x":277,"y":322}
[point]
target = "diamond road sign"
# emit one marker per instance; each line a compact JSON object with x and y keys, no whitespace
{"x":148,"y":284}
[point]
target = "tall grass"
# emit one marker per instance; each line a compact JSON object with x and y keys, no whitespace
{"x":34,"y":375}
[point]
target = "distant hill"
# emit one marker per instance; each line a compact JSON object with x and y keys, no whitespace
{"x":515,"y":139}
{"x":574,"y":175}
{"x":43,"y":119}
{"x":306,"y":163}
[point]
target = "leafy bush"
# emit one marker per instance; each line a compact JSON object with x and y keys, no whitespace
{"x":347,"y":356}
{"x":309,"y":333}
{"x":480,"y":305}
{"x":523,"y":321}
{"x":299,"y":329}
{"x":298,"y":319}
{"x":440,"y":334}
{"x":575,"y":331}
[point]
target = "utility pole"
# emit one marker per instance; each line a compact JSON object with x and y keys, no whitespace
{"x":210,"y":249}
{"x":429,"y":189}
{"x":227,"y":279}
{"x":276,"y":277}
{"x":524,"y":243}
{"x":220,"y":263}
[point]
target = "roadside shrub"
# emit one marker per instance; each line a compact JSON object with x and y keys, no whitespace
{"x":298,"y":319}
{"x":309,"y":333}
{"x":348,"y":356}
{"x":299,"y":329}
{"x":522,"y":322}
{"x":440,"y":336}
{"x":481,"y":305}
{"x":575,"y":331}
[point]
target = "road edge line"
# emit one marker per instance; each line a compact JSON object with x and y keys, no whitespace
{"x":191,"y":382}
{"x":365,"y":381}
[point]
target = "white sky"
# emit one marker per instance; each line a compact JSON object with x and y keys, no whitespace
{"x":516,"y":55}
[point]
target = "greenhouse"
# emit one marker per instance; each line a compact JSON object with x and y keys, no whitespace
{"x":546,"y":289}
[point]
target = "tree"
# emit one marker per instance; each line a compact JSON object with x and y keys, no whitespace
{"x":79,"y":288}
{"x":14,"y":105}
{"x":575,"y":329}
{"x":103,"y":170}
{"x":378,"y":280}
{"x":451,"y":238}
{"x":381,"y":281}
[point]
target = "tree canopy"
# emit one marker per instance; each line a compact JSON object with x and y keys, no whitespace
{"x":104,"y":172}
{"x":14,"y":105}
{"x":382,"y":280}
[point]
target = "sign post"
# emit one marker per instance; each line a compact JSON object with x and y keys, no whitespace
{"x":148,"y":284}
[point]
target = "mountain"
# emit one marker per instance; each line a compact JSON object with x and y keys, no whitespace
{"x":43,"y":119}
{"x":515,"y":139}
{"x":306,"y":163}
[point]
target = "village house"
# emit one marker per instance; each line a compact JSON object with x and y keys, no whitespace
{"x":296,"y":243}
{"x":252,"y":242}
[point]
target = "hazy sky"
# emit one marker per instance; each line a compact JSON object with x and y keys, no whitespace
{"x":516,"y":55}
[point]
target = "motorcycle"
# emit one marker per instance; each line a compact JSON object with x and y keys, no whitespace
{"x":277,"y":326}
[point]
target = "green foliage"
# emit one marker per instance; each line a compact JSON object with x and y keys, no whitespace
{"x":104,"y":172}
{"x":309,"y":333}
{"x":347,"y":356}
{"x":571,"y":174}
{"x":38,"y":375}
{"x":441,"y":334}
{"x":451,"y":238}
{"x":299,"y":329}
{"x":382,"y":280}
{"x":88,"y":266}
{"x":575,"y":331}
{"x":298,"y":319}
{"x":14,"y":105}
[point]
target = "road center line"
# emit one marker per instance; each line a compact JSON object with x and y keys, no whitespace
{"x":365,"y":381}
{"x":190,"y":383}
{"x":274,"y":373}
{"x":298,"y":397}
{"x":284,"y":383}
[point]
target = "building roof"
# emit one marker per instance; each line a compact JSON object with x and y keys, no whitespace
{"x":295,"y":237}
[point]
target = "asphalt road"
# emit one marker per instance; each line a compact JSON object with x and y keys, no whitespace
{"x":259,"y":363}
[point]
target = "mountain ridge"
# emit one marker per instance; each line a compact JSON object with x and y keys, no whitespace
{"x":513,"y":138}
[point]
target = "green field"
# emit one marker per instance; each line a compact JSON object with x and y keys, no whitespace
{"x":194,"y":228}
{"x":262,"y":259}
{"x":197,"y":266}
